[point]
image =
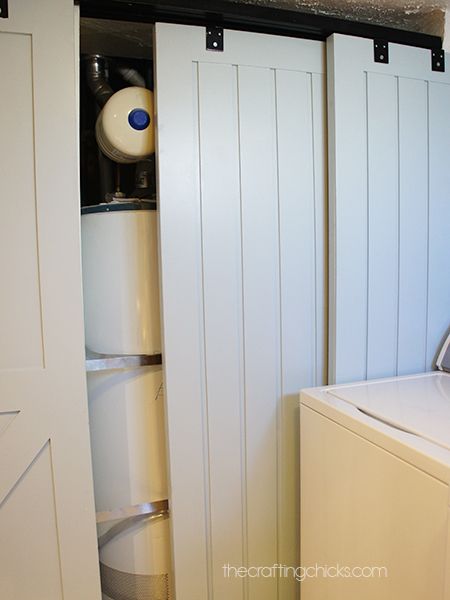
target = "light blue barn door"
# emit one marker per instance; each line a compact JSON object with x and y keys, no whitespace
{"x":390,"y":209}
{"x":242,"y":170}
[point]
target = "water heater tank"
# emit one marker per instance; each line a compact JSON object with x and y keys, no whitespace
{"x":125,"y":129}
{"x":120,"y":278}
{"x":126,"y":418}
{"x":126,"y":405}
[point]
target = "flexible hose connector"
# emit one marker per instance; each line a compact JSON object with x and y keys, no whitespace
{"x":131,"y":76}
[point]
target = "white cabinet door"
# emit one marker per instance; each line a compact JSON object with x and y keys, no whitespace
{"x":390,"y":209}
{"x":242,"y":219}
{"x":47,"y":519}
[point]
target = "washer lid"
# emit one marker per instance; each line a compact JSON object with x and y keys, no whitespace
{"x":419,"y":405}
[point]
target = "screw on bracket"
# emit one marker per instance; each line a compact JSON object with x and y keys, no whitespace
{"x":438,"y":60}
{"x":214,"y":38}
{"x":381,"y":51}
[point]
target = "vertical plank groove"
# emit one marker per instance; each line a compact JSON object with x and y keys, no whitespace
{"x":399,"y":236}
{"x":35,"y":181}
{"x":319,"y":119}
{"x":428,"y":225}
{"x":366,"y":81}
{"x":383,"y":227}
{"x":243,"y":412}
{"x":314,"y":241}
{"x":279,"y":416}
{"x":205,"y":419}
{"x":348,"y":212}
{"x":298,"y":211}
{"x":261,"y":310}
{"x":413,"y":228}
{"x":221,"y":230}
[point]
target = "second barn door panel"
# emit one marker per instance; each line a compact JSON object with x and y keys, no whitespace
{"x":242,"y":172}
{"x":389,"y":199}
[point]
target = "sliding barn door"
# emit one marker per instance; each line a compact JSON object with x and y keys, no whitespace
{"x":47,"y":520}
{"x":390,"y":209}
{"x":242,"y":217}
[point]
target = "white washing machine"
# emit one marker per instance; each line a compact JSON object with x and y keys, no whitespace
{"x":375,"y":480}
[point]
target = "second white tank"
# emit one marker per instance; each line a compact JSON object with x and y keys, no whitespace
{"x":120,"y":278}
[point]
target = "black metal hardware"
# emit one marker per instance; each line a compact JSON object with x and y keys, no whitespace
{"x":214,"y":38}
{"x":3,"y":9}
{"x":438,"y":60}
{"x":381,"y":51}
{"x":248,"y":17}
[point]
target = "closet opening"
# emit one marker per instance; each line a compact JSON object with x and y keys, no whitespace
{"x":122,"y":308}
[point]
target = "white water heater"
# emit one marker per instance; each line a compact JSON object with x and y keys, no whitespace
{"x":126,"y":407}
{"x":120,"y":278}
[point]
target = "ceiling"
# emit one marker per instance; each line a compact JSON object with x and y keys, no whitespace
{"x":425,"y":16}
{"x":134,"y":40}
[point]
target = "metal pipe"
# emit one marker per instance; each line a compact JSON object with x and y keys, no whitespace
{"x":97,"y":78}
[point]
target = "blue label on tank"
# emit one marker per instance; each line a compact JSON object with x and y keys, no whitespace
{"x":139,"y":119}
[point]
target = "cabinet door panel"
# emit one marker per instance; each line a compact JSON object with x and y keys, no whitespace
{"x":47,"y":519}
{"x":390,"y":214}
{"x":241,"y":156}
